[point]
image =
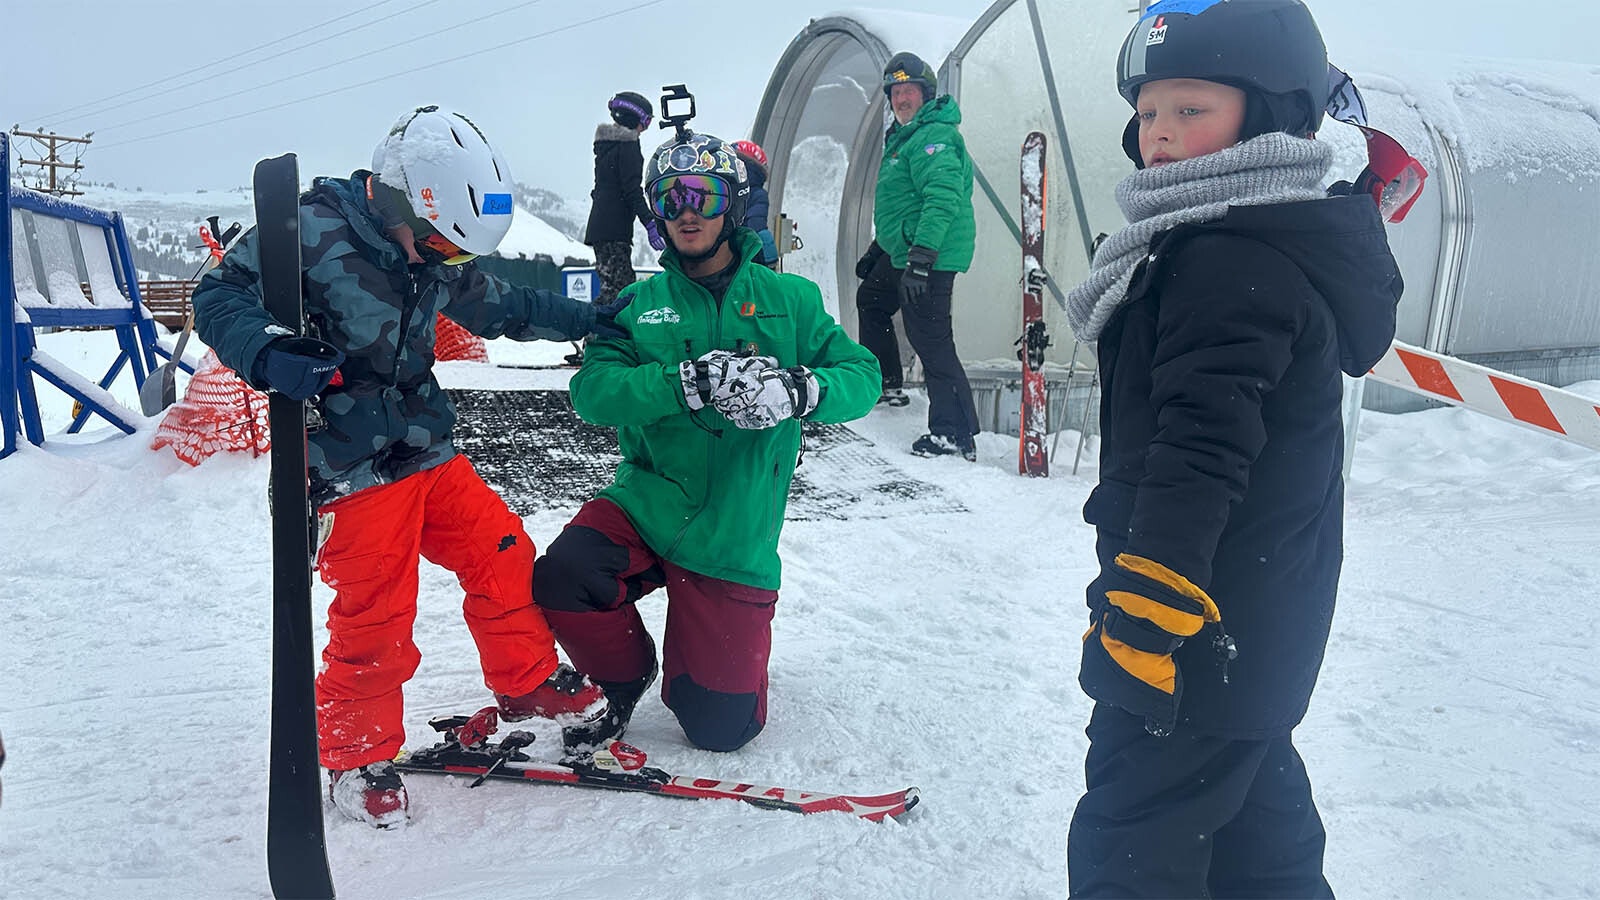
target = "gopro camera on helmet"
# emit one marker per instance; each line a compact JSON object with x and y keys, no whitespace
{"x":674,"y":99}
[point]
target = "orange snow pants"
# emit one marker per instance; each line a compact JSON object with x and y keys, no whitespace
{"x":370,"y":544}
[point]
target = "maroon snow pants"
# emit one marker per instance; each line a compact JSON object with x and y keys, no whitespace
{"x":718,"y":634}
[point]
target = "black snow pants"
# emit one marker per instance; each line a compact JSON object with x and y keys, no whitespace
{"x":951,"y":411}
{"x":1193,"y":816}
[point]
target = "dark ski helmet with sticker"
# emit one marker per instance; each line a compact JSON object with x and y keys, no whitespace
{"x":1270,"y":49}
{"x":697,"y":156}
{"x":909,"y":68}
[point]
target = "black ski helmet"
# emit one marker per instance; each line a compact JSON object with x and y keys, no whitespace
{"x":906,"y":68}
{"x":630,"y":110}
{"x":701,"y":154}
{"x":1270,"y":49}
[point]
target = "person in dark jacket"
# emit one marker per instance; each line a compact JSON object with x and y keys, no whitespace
{"x":617,"y":200}
{"x":1223,"y":315}
{"x":722,"y":362}
{"x":381,"y":253}
{"x":618,"y":195}
{"x":922,"y":216}
{"x":758,"y":209}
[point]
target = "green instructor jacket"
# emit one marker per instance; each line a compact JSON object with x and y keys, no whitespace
{"x":924,"y":195}
{"x":702,"y":493}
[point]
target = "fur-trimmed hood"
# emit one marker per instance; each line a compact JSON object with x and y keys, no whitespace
{"x":611,"y":131}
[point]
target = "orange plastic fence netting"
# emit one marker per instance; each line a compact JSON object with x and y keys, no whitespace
{"x":218,"y":412}
{"x":457,"y":343}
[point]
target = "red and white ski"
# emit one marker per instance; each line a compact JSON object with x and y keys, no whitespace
{"x":619,"y":766}
{"x":1034,"y":421}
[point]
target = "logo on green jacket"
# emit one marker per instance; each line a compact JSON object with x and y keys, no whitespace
{"x":666,"y":315}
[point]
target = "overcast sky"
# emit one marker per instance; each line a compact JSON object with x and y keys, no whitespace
{"x":534,"y":74}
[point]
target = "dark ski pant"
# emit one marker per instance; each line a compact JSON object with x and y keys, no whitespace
{"x":613,"y":268}
{"x":1192,"y":816}
{"x":718,"y":635}
{"x":951,"y":411}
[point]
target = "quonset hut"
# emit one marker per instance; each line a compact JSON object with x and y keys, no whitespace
{"x":1500,"y":255}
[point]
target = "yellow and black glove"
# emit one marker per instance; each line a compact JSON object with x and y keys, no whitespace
{"x":1142,"y":613}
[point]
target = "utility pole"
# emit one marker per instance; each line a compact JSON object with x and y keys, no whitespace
{"x":53,"y":162}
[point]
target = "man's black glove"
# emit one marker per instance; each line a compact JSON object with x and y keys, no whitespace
{"x":868,"y":260}
{"x":296,"y":367}
{"x":914,"y":280}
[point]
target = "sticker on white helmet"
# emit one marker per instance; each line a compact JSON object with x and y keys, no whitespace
{"x":497,"y":204}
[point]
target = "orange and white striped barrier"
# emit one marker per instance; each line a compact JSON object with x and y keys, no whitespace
{"x":1491,"y":392}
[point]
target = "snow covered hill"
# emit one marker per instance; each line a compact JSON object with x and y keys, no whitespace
{"x":163,"y":226}
{"x":1454,"y":742}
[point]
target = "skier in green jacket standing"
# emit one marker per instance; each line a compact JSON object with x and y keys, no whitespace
{"x":722,"y":360}
{"x":922,"y":214}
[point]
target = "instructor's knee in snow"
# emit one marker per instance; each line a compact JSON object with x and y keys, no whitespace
{"x":712,"y":720}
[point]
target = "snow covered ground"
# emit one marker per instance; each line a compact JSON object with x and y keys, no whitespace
{"x":1454,"y":742}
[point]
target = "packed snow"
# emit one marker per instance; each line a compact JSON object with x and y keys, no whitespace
{"x":1454,"y":742}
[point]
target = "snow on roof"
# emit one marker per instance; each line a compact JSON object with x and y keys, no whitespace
{"x":1512,"y":115}
{"x":929,"y":36}
{"x":530,"y":234}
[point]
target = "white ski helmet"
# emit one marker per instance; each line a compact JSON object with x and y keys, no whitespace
{"x":453,"y":180}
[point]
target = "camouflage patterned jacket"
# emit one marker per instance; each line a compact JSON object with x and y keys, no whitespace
{"x":387,"y":417}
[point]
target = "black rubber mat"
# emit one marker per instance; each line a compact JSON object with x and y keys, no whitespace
{"x":534,"y":450}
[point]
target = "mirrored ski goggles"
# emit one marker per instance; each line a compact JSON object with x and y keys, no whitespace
{"x":438,"y":243}
{"x":1393,"y":177}
{"x":707,"y":195}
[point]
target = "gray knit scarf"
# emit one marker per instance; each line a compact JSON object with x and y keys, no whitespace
{"x":1271,"y":168}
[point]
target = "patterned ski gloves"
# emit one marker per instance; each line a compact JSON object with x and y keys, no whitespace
{"x":652,"y":231}
{"x":753,"y":392}
{"x":1142,"y":612}
{"x":703,"y":378}
{"x":762,"y":398}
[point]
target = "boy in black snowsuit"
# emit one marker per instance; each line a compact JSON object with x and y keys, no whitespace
{"x":1222,"y":316}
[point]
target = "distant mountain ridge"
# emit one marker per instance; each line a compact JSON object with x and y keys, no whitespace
{"x":163,"y":228}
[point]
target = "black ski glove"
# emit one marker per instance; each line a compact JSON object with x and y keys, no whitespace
{"x":914,"y":281}
{"x":296,"y":367}
{"x":868,"y":260}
